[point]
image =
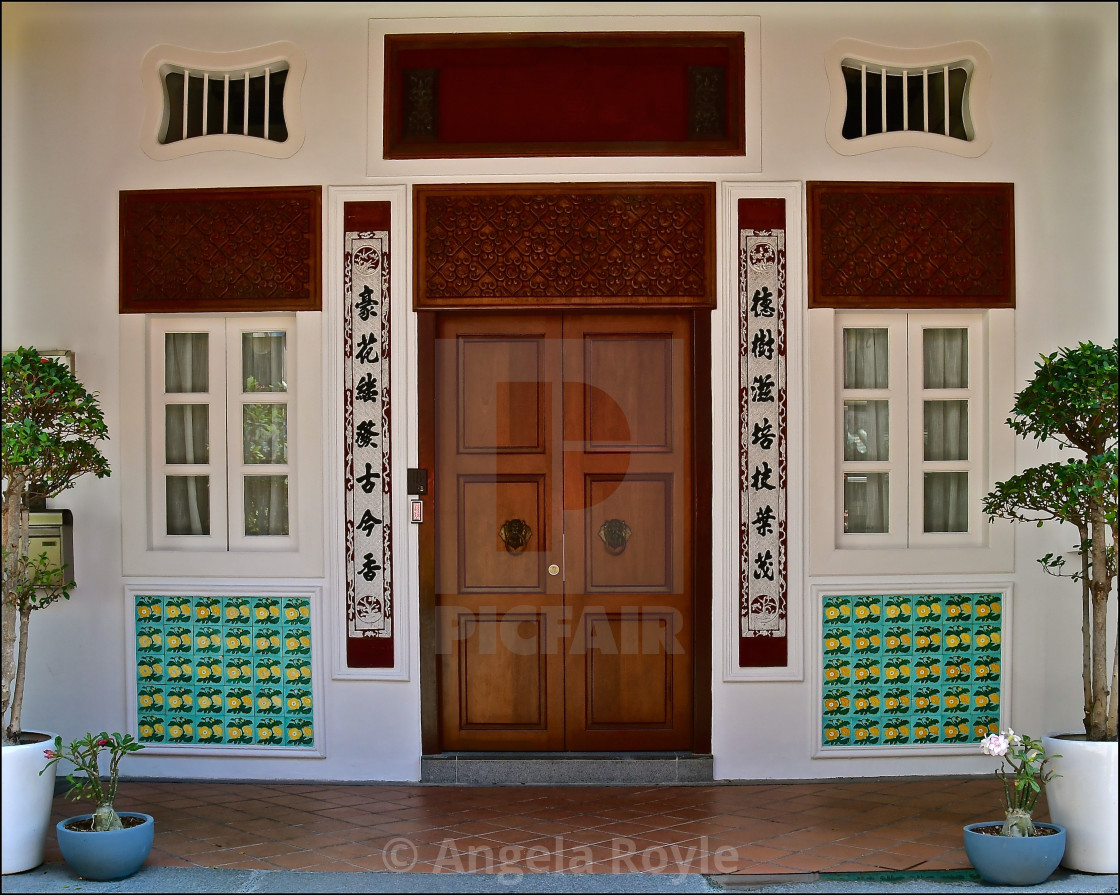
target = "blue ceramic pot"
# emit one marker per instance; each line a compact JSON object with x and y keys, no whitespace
{"x":108,"y":854}
{"x":1014,"y":860}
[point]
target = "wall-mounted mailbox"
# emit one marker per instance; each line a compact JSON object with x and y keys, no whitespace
{"x":52,"y":532}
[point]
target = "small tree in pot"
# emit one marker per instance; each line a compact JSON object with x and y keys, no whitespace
{"x":50,"y":428}
{"x":1072,"y":399}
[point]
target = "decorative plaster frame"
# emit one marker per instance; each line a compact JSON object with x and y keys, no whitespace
{"x":405,"y":541}
{"x":666,"y":168}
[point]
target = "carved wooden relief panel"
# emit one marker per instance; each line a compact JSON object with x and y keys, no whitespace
{"x":911,"y":245}
{"x":220,"y":250}
{"x":564,"y":245}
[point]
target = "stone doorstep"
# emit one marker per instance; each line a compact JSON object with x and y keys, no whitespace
{"x":550,"y":768}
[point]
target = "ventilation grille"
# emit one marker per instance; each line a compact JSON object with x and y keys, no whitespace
{"x":244,"y":101}
{"x":884,"y":99}
{"x":890,"y":97}
{"x":249,"y":103}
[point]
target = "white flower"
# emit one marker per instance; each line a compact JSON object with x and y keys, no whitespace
{"x":995,"y":744}
{"x":1013,"y":738}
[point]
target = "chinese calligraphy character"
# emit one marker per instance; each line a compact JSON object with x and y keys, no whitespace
{"x":366,"y":389}
{"x":762,"y":344}
{"x":764,"y":520}
{"x":764,"y":435}
{"x":764,"y":566}
{"x":760,"y":478}
{"x":366,"y":304}
{"x":762,"y":388}
{"x":368,"y":522}
{"x":364,"y":433}
{"x":366,"y":480}
{"x":367,"y":350}
{"x":370,"y":567}
{"x":762,"y":302}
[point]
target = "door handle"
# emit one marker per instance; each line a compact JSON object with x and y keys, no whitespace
{"x":515,"y":534}
{"x":614,"y":533}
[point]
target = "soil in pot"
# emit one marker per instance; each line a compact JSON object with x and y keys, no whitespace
{"x":996,"y":830}
{"x":85,"y":825}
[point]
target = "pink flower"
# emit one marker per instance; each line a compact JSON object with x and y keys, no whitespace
{"x":50,"y":754}
{"x":104,"y":743}
{"x":995,"y":744}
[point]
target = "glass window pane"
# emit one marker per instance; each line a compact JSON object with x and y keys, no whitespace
{"x":865,"y":358}
{"x":265,"y":430}
{"x":946,"y":430}
{"x":263,"y":362}
{"x":946,"y":504}
{"x":866,"y":430}
{"x":266,"y":505}
{"x":945,"y":358}
{"x":188,"y":504}
{"x":186,"y":362}
{"x":187,"y":433}
{"x":866,"y":503}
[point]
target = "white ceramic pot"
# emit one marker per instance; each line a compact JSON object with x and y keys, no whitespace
{"x":27,"y":799}
{"x":1083,"y":800}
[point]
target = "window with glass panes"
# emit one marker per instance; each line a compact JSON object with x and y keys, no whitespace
{"x":222,"y":409}
{"x":911,"y":397}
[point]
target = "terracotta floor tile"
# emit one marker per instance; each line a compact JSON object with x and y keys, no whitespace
{"x":890,"y":860}
{"x":815,"y":826}
{"x":806,"y":862}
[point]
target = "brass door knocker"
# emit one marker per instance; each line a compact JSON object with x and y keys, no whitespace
{"x":515,"y":534}
{"x":614,"y":533}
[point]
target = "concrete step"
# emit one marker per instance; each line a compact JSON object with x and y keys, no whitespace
{"x":565,"y":768}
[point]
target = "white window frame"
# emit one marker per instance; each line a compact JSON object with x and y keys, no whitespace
{"x":969,"y":54}
{"x":221,"y":65}
{"x":907,"y":548}
{"x":226,"y":401}
{"x":147,"y":549}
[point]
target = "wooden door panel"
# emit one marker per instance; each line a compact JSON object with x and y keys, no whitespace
{"x":629,"y":534}
{"x":629,"y":403}
{"x":498,"y":611}
{"x":628,"y":685}
{"x":490,"y":506}
{"x":627,"y":475}
{"x":501,"y":676}
{"x":503,"y":399}
{"x":574,"y":431}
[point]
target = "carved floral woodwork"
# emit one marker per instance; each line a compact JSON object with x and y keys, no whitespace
{"x":221,"y":250}
{"x":911,"y":245}
{"x":565,"y":245}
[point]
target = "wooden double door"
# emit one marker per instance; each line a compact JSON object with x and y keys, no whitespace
{"x":564,"y":530}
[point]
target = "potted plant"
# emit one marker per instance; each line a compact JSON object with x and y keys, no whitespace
{"x":1016,"y":851}
{"x":51,"y":425}
{"x":103,"y":845}
{"x":1072,"y":400}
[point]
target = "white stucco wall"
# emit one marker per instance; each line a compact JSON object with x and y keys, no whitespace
{"x":72,"y":111}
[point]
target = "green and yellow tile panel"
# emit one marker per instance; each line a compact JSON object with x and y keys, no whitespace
{"x":910,"y":669}
{"x":224,"y":670}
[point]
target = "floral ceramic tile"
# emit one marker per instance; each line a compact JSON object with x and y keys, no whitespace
{"x":910,"y":669}
{"x":224,"y":670}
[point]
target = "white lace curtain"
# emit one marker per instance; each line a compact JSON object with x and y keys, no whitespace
{"x":263,"y":425}
{"x":867,"y":428}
